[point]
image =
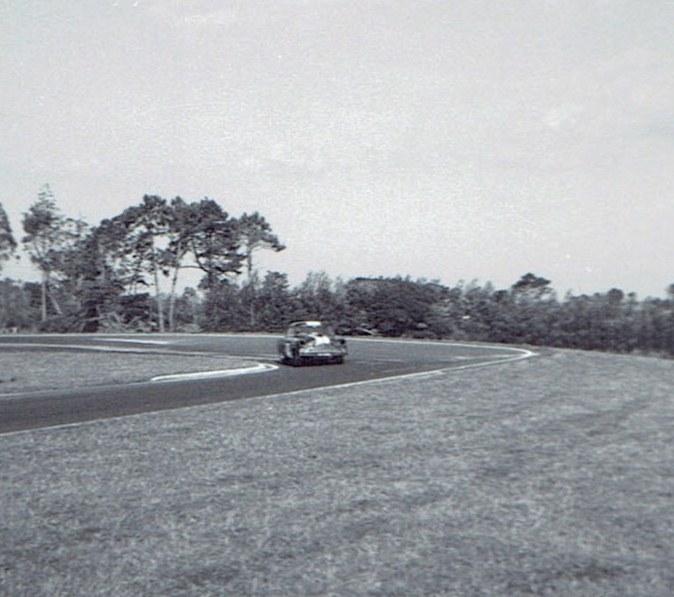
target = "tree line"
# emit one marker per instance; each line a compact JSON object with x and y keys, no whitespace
{"x":123,"y":275}
{"x":109,"y":276}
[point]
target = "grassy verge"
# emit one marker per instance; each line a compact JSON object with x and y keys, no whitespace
{"x":551,"y":476}
{"x":25,"y":371}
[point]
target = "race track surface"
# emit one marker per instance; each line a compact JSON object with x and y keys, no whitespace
{"x":368,"y":360}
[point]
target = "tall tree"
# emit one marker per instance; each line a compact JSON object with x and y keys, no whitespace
{"x":204,"y":232}
{"x":112,"y":253}
{"x":49,"y":235}
{"x":96,"y":286}
{"x":8,"y":291}
{"x":7,"y":241}
{"x":255,"y":233}
{"x":214,"y":243}
{"x":181,"y":220}
{"x":145,"y":224}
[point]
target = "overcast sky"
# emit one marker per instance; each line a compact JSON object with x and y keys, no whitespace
{"x":450,"y":139}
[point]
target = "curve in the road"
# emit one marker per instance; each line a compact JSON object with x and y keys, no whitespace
{"x":369,"y":360}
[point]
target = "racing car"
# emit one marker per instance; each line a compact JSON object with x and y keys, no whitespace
{"x":311,"y":343}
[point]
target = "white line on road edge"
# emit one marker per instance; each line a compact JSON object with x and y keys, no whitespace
{"x":134,"y":341}
{"x":524,"y":354}
{"x":259,"y":368}
{"x":89,"y":347}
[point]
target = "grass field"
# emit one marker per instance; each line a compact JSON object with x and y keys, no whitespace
{"x":26,"y":371}
{"x":551,"y":476}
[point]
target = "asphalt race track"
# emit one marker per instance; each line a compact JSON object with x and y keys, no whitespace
{"x":367,"y":360}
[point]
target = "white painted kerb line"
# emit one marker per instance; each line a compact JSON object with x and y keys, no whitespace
{"x":259,"y":368}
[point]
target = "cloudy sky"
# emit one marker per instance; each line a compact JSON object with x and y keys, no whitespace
{"x":450,"y":139}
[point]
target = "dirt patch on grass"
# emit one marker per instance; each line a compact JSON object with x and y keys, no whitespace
{"x":544,"y":477}
{"x":26,"y":371}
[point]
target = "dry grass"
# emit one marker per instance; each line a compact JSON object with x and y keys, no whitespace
{"x":551,"y":476}
{"x":25,"y":371}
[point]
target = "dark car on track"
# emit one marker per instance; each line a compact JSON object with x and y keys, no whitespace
{"x":311,"y":343}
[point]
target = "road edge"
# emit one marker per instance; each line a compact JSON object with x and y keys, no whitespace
{"x":259,"y":368}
